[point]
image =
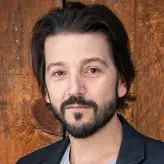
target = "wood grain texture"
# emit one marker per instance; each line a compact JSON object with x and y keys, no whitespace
{"x":149,"y":59}
{"x":20,"y":129}
{"x":25,"y":123}
{"x":16,"y":25}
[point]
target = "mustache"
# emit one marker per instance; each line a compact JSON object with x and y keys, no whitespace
{"x":79,"y":101}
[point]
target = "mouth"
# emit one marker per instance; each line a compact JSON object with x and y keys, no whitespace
{"x":76,"y":106}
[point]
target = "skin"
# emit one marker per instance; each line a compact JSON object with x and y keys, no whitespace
{"x":82,"y":64}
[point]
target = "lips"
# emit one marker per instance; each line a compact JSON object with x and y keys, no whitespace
{"x":77,"y":106}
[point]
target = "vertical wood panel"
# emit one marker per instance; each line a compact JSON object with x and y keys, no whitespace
{"x":25,"y":124}
{"x":18,"y":20}
{"x":22,"y":129}
{"x":150,"y":66}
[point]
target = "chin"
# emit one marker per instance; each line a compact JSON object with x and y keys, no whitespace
{"x":78,"y":123}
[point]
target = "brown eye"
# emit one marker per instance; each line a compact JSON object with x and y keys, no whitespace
{"x":93,"y":70}
{"x":59,"y":73}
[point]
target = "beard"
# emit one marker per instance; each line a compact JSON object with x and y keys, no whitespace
{"x":101,"y":116}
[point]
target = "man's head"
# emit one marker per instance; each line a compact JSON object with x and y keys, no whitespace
{"x":81,"y":59}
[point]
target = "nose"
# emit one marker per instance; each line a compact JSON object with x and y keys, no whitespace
{"x":76,"y":86}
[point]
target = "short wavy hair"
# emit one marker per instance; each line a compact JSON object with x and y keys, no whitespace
{"x":76,"y":17}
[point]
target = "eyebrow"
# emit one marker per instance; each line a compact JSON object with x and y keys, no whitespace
{"x":84,"y":62}
{"x":54,"y":64}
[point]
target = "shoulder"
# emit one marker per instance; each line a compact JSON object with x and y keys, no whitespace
{"x":41,"y":155}
{"x":154,"y":146}
{"x":154,"y":149}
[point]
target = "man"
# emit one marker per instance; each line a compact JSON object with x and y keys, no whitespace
{"x":81,"y":60}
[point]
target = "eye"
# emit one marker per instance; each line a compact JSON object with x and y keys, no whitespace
{"x":93,"y":70}
{"x":59,"y":73}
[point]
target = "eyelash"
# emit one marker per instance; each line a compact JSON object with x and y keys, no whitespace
{"x":91,"y":68}
{"x":57,"y":72}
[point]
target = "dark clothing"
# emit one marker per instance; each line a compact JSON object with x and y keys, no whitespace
{"x":135,"y":149}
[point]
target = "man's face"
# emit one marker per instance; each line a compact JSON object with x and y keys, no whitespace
{"x":82,"y":81}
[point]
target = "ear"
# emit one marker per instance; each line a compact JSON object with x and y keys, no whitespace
{"x":47,"y":97}
{"x":122,"y":88}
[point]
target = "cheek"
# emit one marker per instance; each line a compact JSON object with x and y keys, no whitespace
{"x":56,"y":92}
{"x":102,"y":90}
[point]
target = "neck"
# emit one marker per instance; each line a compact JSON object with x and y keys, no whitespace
{"x":107,"y":139}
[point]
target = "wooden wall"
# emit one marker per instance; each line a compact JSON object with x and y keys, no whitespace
{"x":25,"y":123}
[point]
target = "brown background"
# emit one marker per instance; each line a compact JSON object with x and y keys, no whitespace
{"x":25,"y":123}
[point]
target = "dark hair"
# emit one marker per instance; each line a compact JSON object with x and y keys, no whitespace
{"x":77,"y":17}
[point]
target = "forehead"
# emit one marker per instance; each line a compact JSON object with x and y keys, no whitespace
{"x":74,"y":47}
